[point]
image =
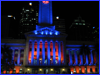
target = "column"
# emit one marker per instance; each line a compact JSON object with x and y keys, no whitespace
{"x":18,"y":59}
{"x":43,"y":52}
{"x":48,"y":52}
{"x":86,"y":59}
{"x":59,"y":52}
{"x":32,"y":57}
{"x":38,"y":42}
{"x":70,"y":55}
{"x":26,"y":53}
{"x":53,"y":52}
{"x":81,"y":56}
{"x":76,"y":58}
{"x":91,"y":58}
{"x":13,"y":54}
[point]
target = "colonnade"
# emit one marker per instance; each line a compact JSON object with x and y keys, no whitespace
{"x":55,"y":50}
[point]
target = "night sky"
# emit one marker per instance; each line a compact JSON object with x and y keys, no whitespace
{"x":69,"y":10}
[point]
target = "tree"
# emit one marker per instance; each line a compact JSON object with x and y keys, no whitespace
{"x":6,"y":60}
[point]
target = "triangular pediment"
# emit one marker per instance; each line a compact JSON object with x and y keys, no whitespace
{"x":40,"y":30}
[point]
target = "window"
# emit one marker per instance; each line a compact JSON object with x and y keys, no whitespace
{"x":45,"y":50}
{"x":76,"y":23}
{"x":35,"y":49}
{"x":90,"y":69}
{"x":96,"y":70}
{"x":80,"y":23}
{"x":50,"y":49}
{"x":30,"y":49}
{"x":40,"y":49}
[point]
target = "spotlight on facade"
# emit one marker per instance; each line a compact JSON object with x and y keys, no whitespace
{"x":51,"y":69}
{"x":56,"y":33}
{"x":63,"y":69}
{"x":42,"y":33}
{"x":35,"y":32}
{"x":28,"y":69}
{"x":50,"y":33}
{"x":40,"y":69}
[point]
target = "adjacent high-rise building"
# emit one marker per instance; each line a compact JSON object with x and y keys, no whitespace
{"x":28,"y":19}
{"x":80,"y":30}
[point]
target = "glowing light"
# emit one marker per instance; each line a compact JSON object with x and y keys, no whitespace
{"x":35,"y":32}
{"x":50,"y":33}
{"x":93,"y":27}
{"x":30,"y":4}
{"x":10,"y":15}
{"x":40,"y":59}
{"x":27,"y":10}
{"x":40,"y":69}
{"x":45,"y":2}
{"x":51,"y":69}
{"x":56,"y":33}
{"x":57,"y":17}
{"x":28,"y":69}
{"x":42,"y":33}
{"x":63,"y":69}
{"x":46,"y":33}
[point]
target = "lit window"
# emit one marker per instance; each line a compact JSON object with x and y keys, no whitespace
{"x":36,"y":14}
{"x":57,"y":17}
{"x":32,"y":10}
{"x":27,"y":24}
{"x":10,"y":15}
{"x":34,"y":19}
{"x":27,"y":10}
{"x":83,"y":23}
{"x":30,"y":20}
{"x":26,"y":18}
{"x":80,"y":23}
{"x":93,"y":27}
{"x":23,"y":8}
{"x":76,"y":23}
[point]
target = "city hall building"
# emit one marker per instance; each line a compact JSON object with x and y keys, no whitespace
{"x":46,"y":51}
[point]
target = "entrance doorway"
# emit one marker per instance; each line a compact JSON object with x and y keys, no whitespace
{"x":46,"y":71}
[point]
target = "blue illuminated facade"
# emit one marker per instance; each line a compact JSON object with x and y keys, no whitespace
{"x":45,"y":48}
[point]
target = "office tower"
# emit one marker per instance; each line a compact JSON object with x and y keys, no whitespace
{"x":28,"y":19}
{"x":80,"y":30}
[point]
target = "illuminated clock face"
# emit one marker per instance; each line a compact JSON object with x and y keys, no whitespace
{"x":45,"y":2}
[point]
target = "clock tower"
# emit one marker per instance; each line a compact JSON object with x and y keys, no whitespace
{"x":45,"y":13}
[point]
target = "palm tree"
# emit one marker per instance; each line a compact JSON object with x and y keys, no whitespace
{"x":96,"y":47}
{"x":85,"y":51}
{"x":6,"y":60}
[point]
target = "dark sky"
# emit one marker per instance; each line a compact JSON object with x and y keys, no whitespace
{"x":69,"y":10}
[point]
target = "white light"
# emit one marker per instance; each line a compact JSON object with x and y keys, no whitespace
{"x":28,"y":69}
{"x":10,"y":15}
{"x":51,"y":69}
{"x":27,"y":10}
{"x":30,"y":4}
{"x":40,"y":69}
{"x":57,"y":17}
